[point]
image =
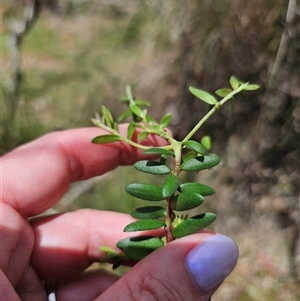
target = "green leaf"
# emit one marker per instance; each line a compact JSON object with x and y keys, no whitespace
{"x":123,"y":99}
{"x":128,"y":92}
{"x":170,"y":186}
{"x":130,"y":130}
{"x":251,"y":87}
{"x":234,"y":82}
{"x":186,"y":201}
{"x":124,"y":115}
{"x":165,"y":120}
{"x":206,"y":142}
{"x":148,"y":212}
{"x":203,"y":95}
{"x":200,"y":163}
{"x":144,"y":191}
{"x":196,"y":146}
{"x":106,"y":139}
{"x":223,"y":92}
{"x":156,"y":128}
{"x":158,"y":151}
{"x":125,"y":242}
{"x":110,"y":253}
{"x":138,"y":247}
{"x":144,"y":224}
{"x":107,"y":116}
{"x":137,"y":111}
{"x":193,"y":224}
{"x":142,"y":135}
{"x":199,"y":188}
{"x":149,"y":119}
{"x":152,"y":167}
{"x":141,"y":102}
{"x":188,"y":156}
{"x":116,"y":127}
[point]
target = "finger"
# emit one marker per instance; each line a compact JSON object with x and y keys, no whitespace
{"x":190,"y":268}
{"x":38,"y":174}
{"x":181,"y":261}
{"x":68,"y":243}
{"x":85,"y":286}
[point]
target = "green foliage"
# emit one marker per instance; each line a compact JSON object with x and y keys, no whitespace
{"x":178,"y":196}
{"x":186,"y":200}
{"x":144,"y":224}
{"x":138,"y":247}
{"x":200,"y":163}
{"x":196,"y":146}
{"x":153,"y":167}
{"x":204,"y":96}
{"x":145,"y":191}
{"x":193,"y":224}
{"x":149,"y":212}
{"x":170,"y":186}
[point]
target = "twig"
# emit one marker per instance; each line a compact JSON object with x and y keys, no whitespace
{"x":18,"y":30}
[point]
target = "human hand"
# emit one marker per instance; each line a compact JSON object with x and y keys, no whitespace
{"x":60,"y":247}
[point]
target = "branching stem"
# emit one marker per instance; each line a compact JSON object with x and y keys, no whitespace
{"x":213,"y":110}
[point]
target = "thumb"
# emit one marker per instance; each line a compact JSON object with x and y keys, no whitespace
{"x":190,"y":268}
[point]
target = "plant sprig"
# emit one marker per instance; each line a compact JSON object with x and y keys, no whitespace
{"x":186,"y":155}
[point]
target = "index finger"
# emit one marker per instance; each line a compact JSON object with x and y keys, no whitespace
{"x":35,"y":176}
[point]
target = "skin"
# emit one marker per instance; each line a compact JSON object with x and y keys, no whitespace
{"x":61,"y":247}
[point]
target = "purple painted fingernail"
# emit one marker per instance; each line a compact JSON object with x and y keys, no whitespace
{"x":210,"y":262}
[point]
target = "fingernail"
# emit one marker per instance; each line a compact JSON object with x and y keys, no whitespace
{"x":210,"y":262}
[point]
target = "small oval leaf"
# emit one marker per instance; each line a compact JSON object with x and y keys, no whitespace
{"x":148,"y":192}
{"x":139,"y":249}
{"x":203,"y":95}
{"x":158,"y":151}
{"x":200,"y":163}
{"x":130,"y":130}
{"x":142,"y":135}
{"x":106,"y":139}
{"x":116,"y":127}
{"x":124,"y":115}
{"x":107,"y":116}
{"x":234,"y":82}
{"x":170,"y":186}
{"x":196,"y":146}
{"x":188,"y":156}
{"x":144,"y":224}
{"x":141,"y":102}
{"x":138,"y":240}
{"x":199,"y":188}
{"x":152,"y":167}
{"x":123,"y":99}
{"x":165,"y":120}
{"x":193,"y":224}
{"x":223,"y":92}
{"x":251,"y":87}
{"x":186,"y":201}
{"x":137,"y":110}
{"x":110,"y":253}
{"x":149,"y":212}
{"x":206,"y":142}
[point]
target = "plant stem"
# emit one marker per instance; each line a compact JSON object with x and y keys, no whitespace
{"x":176,"y":146}
{"x":169,"y":219}
{"x":213,"y":110}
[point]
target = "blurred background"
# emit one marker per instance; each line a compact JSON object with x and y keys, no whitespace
{"x":62,"y":59}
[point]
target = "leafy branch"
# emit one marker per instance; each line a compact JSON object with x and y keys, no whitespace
{"x":186,"y":155}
